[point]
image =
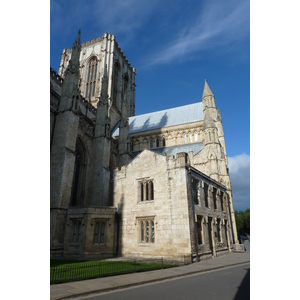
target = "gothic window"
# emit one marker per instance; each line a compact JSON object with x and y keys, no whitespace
{"x":146,"y":190}
{"x":115,"y":81}
{"x":196,"y":136}
{"x":190,"y":137}
{"x":200,"y":229}
{"x":151,"y":143}
{"x":76,"y":231}
{"x":157,"y":142}
{"x":147,"y":230}
{"x":77,"y":195}
{"x":206,"y":194}
{"x":163,"y":142}
{"x":91,"y":79}
{"x":222,"y":201}
{"x":215,"y":198}
{"x":184,"y":138}
{"x":195,"y":183}
{"x":219,"y":230}
{"x":99,"y":232}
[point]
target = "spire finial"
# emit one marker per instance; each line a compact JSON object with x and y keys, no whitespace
{"x":206,"y":90}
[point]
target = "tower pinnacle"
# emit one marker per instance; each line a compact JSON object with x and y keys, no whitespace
{"x":206,"y":90}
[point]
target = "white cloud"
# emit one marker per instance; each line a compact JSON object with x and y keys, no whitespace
{"x":239,"y":171}
{"x":218,"y":24}
{"x":123,"y":16}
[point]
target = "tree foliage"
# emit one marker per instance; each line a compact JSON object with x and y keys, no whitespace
{"x":242,"y":219}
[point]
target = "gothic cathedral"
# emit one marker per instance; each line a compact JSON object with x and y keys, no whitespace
{"x":152,"y":185}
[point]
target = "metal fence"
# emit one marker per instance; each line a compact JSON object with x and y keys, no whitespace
{"x":89,"y":270}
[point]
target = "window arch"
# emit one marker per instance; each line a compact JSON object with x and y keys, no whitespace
{"x":91,"y":78}
{"x":163,"y":142}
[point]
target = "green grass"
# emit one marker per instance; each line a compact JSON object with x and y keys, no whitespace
{"x":70,"y":270}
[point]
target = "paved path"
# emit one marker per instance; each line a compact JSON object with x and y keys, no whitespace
{"x":85,"y":287}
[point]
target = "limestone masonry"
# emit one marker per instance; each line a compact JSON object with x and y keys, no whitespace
{"x":148,"y":186}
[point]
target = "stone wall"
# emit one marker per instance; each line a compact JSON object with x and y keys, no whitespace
{"x":168,"y":209}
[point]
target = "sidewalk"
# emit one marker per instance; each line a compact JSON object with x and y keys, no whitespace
{"x":85,"y":287}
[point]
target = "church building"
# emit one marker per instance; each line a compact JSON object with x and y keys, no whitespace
{"x":146,"y":186}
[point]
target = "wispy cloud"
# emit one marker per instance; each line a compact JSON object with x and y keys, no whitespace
{"x":123,"y":16}
{"x":239,"y":171}
{"x":218,"y":23}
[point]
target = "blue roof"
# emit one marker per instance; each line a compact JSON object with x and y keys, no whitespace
{"x":164,"y":118}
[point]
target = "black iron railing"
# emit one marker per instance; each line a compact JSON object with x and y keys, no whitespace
{"x":89,"y":270}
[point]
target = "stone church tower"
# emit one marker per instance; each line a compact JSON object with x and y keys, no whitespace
{"x":97,"y":93}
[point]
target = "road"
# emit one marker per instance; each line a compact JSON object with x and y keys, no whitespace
{"x":232,"y":283}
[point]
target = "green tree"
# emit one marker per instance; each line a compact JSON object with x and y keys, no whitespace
{"x":242,"y":220}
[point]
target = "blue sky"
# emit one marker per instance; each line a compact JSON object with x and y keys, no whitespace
{"x":175,"y":45}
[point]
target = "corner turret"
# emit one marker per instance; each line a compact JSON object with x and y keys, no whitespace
{"x":208,"y":100}
{"x":70,"y":86}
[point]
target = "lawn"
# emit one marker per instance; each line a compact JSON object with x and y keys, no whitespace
{"x":70,"y":270}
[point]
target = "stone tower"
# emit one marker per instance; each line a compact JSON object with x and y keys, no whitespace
{"x":63,"y":154}
{"x":214,"y":142}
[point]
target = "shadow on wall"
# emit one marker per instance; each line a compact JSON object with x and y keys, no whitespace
{"x":119,"y":218}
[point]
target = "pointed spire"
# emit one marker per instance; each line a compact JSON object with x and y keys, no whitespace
{"x":74,"y":61}
{"x":206,"y":90}
{"x":77,"y":41}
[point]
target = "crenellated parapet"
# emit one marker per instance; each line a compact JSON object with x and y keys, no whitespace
{"x":124,"y":57}
{"x":92,"y":42}
{"x":55,"y":76}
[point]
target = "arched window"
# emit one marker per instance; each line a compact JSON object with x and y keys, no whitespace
{"x":190,"y":137}
{"x":163,"y":142}
{"x":91,"y":78}
{"x":151,"y":144}
{"x":116,"y":82}
{"x":184,"y":138}
{"x":77,"y":195}
{"x":99,"y":232}
{"x":157,"y":142}
{"x":196,"y":136}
